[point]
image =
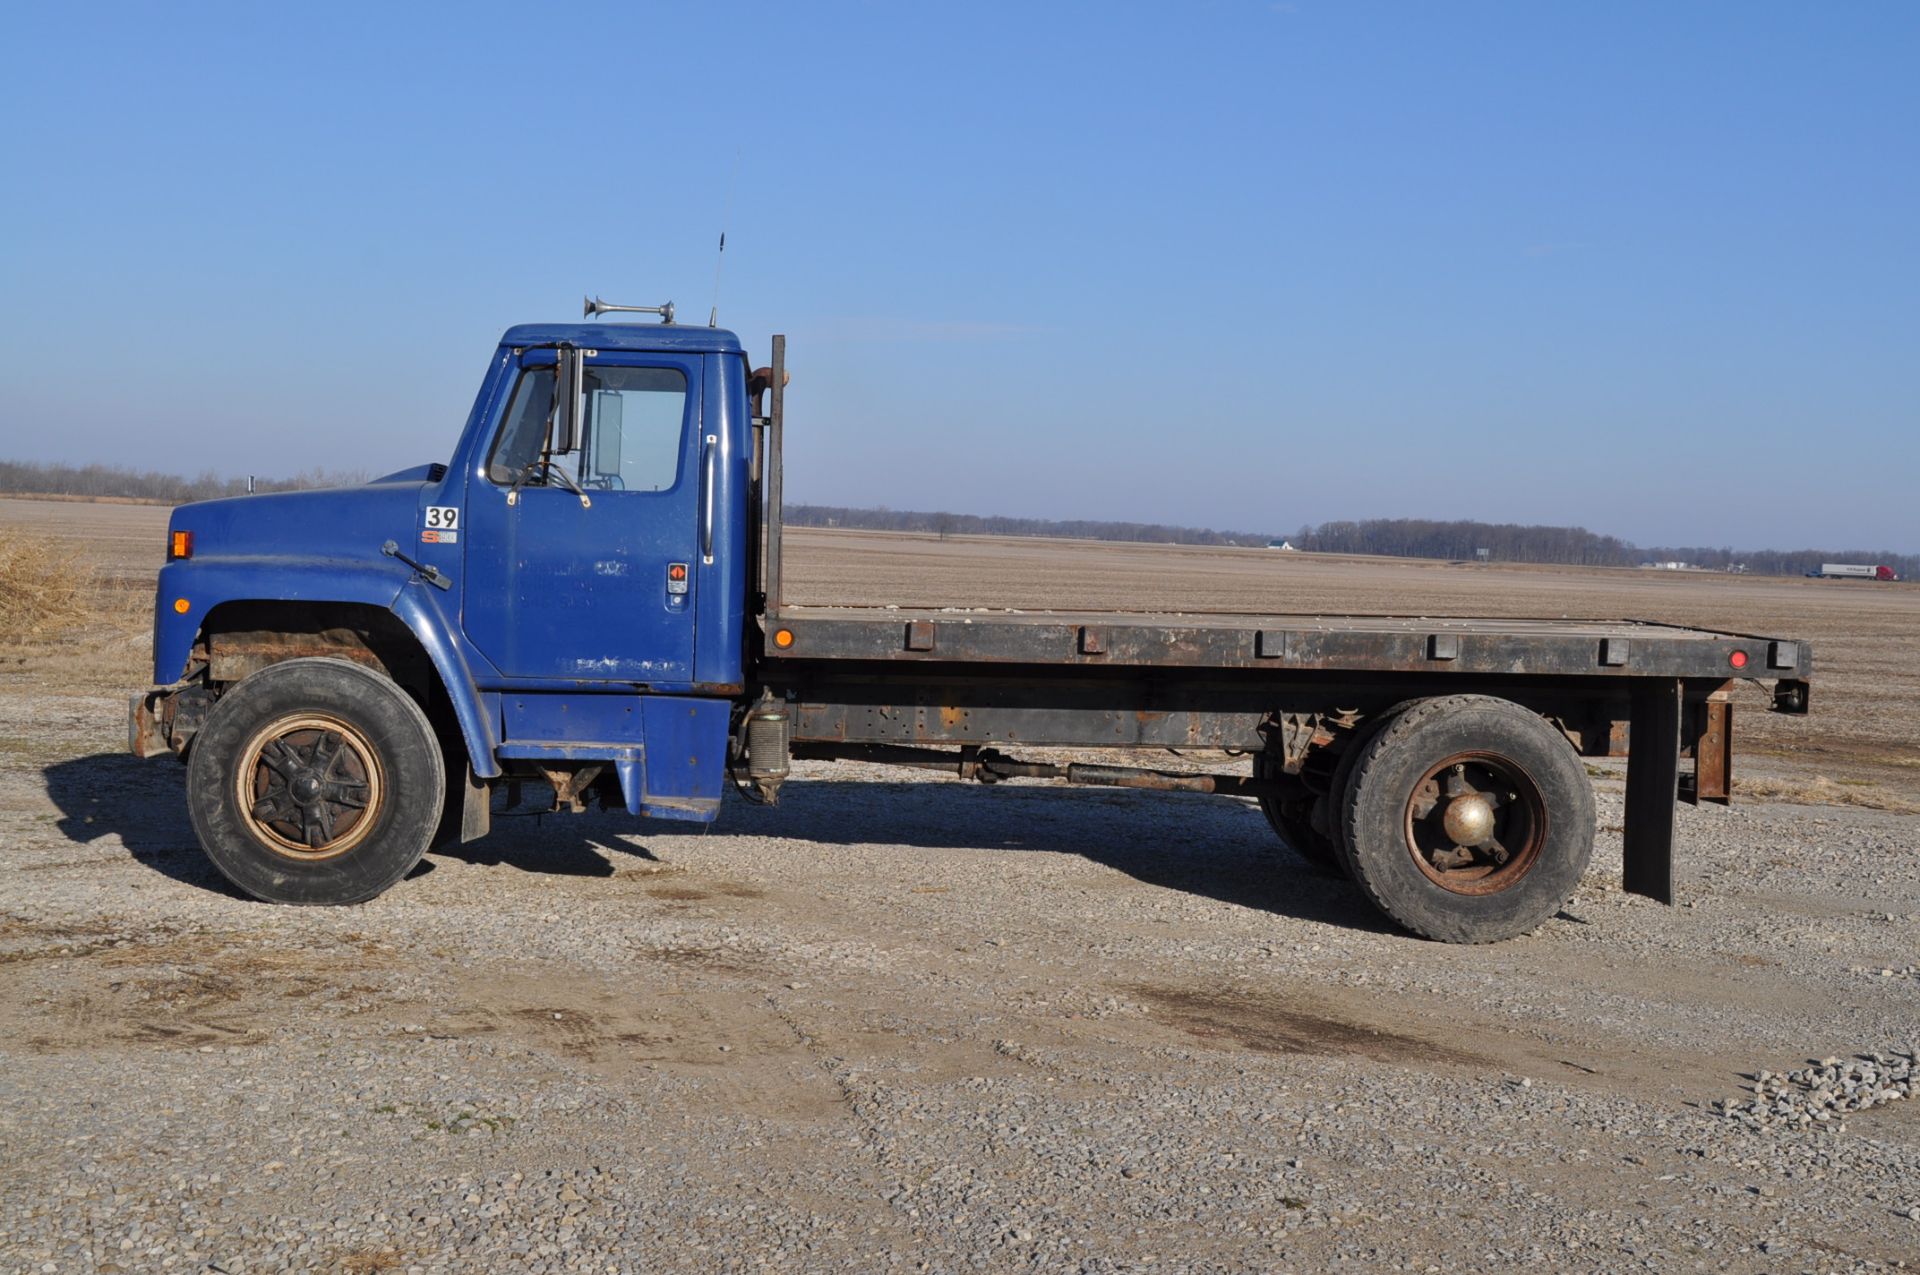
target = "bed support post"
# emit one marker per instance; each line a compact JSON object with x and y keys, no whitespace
{"x":1709,"y":735}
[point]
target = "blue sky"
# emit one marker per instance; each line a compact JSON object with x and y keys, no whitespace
{"x":1650,"y":268}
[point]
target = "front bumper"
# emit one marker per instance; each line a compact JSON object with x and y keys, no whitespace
{"x":165,"y":719}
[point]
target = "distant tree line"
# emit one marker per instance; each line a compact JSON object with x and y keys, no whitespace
{"x":115,"y":482}
{"x":950,"y":524}
{"x":1506,"y":542}
{"x":1461,"y":541}
{"x":1458,"y":540}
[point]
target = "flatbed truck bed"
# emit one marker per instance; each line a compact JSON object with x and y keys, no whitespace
{"x":1273,"y":642}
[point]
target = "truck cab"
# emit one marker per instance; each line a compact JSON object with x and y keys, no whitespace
{"x":594,"y":512}
{"x":565,"y":597}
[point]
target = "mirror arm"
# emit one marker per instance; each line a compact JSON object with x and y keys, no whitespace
{"x":554,"y":471}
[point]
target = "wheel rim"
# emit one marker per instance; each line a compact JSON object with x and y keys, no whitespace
{"x":309,"y":786}
{"x":1476,"y":823}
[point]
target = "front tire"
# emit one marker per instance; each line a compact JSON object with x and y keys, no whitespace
{"x":1468,"y":819}
{"x":315,"y":781}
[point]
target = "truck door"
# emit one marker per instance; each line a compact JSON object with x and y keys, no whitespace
{"x":580,"y":550}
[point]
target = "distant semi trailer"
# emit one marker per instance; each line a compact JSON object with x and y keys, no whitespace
{"x":1854,"y":571}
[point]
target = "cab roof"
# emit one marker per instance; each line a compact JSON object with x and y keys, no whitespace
{"x":659,"y":337}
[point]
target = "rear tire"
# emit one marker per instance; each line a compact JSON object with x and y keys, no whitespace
{"x":1468,"y":768}
{"x":315,"y":781}
{"x":1292,"y":817}
{"x":1335,"y":805}
{"x":1310,"y":823}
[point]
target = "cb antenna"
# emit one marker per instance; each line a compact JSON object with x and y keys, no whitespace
{"x":719,"y":258}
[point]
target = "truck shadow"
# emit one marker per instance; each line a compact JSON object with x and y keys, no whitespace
{"x":1215,"y":848}
{"x":1211,"y":847}
{"x":143,"y":803}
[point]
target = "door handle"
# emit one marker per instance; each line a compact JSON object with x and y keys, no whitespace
{"x":706,"y":501}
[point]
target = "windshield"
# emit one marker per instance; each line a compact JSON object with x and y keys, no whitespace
{"x":525,"y":427}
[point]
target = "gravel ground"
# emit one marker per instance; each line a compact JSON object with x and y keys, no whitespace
{"x":919,"y":1025}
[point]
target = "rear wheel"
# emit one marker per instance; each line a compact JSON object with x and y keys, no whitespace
{"x":315,"y":781}
{"x":1468,"y":819}
{"x":1310,"y":821}
{"x":1332,"y":809}
{"x":1292,"y":814}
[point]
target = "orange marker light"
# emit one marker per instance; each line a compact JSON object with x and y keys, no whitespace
{"x":783,"y":638}
{"x":180,"y":545}
{"x":1738,"y":659}
{"x":182,"y":605}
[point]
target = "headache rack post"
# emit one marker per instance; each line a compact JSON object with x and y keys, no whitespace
{"x":776,"y":416}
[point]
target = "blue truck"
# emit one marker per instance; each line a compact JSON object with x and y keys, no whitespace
{"x":586,"y":598}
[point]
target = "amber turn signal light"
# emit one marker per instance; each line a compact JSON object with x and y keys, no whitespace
{"x":182,"y":605}
{"x":179,"y":545}
{"x":783,"y":638}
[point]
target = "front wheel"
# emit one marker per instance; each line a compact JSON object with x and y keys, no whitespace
{"x":1468,"y":819}
{"x":315,"y":781}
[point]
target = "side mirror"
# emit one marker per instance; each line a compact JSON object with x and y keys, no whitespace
{"x":568,"y":384}
{"x":607,"y":406}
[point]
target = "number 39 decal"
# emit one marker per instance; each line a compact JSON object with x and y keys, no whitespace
{"x":443,"y":525}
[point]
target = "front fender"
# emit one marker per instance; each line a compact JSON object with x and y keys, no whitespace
{"x":189,"y":591}
{"x":418,"y":607}
{"x":203,"y":585}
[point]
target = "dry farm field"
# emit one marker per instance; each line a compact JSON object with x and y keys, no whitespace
{"x":901,"y":1023}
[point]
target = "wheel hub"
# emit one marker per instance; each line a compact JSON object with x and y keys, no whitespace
{"x":309,"y":786}
{"x":1469,"y":820}
{"x":1475,"y":823}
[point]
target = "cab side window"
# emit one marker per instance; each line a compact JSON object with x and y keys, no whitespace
{"x":635,"y":423}
{"x":630,"y":440}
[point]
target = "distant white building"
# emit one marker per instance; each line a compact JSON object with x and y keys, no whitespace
{"x":1286,"y":545}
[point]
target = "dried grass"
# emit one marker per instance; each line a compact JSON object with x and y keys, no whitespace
{"x":46,"y":589}
{"x":1821,"y":791}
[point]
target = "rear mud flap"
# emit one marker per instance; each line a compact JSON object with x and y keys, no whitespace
{"x":1653,"y":782}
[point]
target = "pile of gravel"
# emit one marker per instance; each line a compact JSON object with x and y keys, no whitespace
{"x":1818,"y":1096}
